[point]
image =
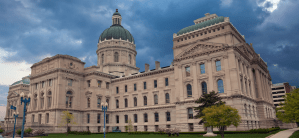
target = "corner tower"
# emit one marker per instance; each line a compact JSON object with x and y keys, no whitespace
{"x":116,"y":49}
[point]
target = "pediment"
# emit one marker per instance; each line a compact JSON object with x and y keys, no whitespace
{"x":11,"y":95}
{"x":199,"y":47}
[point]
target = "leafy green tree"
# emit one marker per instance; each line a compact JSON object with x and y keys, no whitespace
{"x":207,"y":100}
{"x":67,"y":119}
{"x":221,"y":116}
{"x":289,"y":110}
{"x":130,"y":126}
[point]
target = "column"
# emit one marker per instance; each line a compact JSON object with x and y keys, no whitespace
{"x":258,"y":82}
{"x":227,"y":87}
{"x":210,"y":74}
{"x":195,"y":89}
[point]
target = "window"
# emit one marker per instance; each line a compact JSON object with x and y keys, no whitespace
{"x":241,"y":85}
{"x":167,"y":98}
{"x":32,"y":117}
{"x":167,"y":116}
{"x":187,"y":71}
{"x":220,"y":86}
{"x":190,"y":113}
{"x":99,"y":129}
{"x":245,"y":110}
{"x":88,"y":102}
{"x":87,"y":128}
{"x":156,"y":128}
{"x":42,"y":100}
{"x":47,"y":117}
{"x":49,"y":98}
{"x":135,"y":101}
{"x":102,"y":58}
{"x":88,"y":83}
{"x":117,"y":103}
{"x":144,"y":100}
{"x":135,"y":87}
{"x":43,"y":84}
{"x":129,"y":59}
{"x":202,"y":69}
{"x":68,"y":119}
{"x":156,"y":117}
{"x":249,"y":111}
{"x":99,"y":102}
{"x":156,"y":99}
{"x":135,"y":118}
{"x":36,"y":85}
{"x":126,"y":118}
{"x":117,"y":90}
{"x":88,"y":118}
{"x":144,"y":85}
{"x":155,"y":83}
{"x":70,"y":82}
{"x":145,"y":117}
{"x":107,"y":119}
{"x":115,"y":57}
{"x":99,"y":118}
{"x":107,"y":85}
{"x":204,"y":88}
{"x":245,"y":87}
{"x":99,"y":83}
{"x":145,"y":128}
{"x":50,"y":82}
{"x":135,"y":128}
{"x":117,"y":119}
{"x":189,"y":90}
{"x":107,"y":100}
{"x":218,"y":65}
{"x":166,"y":81}
{"x":190,"y":126}
{"x":249,"y":89}
{"x":125,"y":88}
{"x":126,"y":102}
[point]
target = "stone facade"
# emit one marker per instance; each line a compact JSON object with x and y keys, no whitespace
{"x":220,"y":48}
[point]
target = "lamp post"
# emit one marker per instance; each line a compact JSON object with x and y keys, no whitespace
{"x":25,"y":101}
{"x":104,"y":108}
{"x":15,"y":116}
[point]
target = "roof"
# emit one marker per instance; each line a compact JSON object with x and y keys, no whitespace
{"x":24,"y":81}
{"x":116,"y":31}
{"x":116,"y":13}
{"x":201,"y":25}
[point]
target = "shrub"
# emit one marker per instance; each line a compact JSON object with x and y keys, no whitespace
{"x":39,"y":132}
{"x":1,"y":130}
{"x":19,"y":131}
{"x":28,"y":130}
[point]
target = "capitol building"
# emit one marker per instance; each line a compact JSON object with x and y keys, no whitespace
{"x":210,"y":55}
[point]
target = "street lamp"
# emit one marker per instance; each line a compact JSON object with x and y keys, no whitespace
{"x":25,"y":101}
{"x":104,"y":108}
{"x":15,"y":116}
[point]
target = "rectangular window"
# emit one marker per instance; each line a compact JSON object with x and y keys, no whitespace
{"x":135,"y":87}
{"x":144,"y":85}
{"x":42,"y":102}
{"x":117,"y":119}
{"x":43,"y":84}
{"x":135,"y":118}
{"x":168,"y":116}
{"x":156,"y":117}
{"x":145,"y":128}
{"x":135,"y":128}
{"x":126,"y":118}
{"x":156,"y":128}
{"x":202,"y":69}
{"x":70,"y":81}
{"x":88,"y":115}
{"x":99,"y":83}
{"x":125,"y":88}
{"x":190,"y":127}
{"x":155,"y":83}
{"x":145,"y":118}
{"x":218,"y":65}
{"x":88,"y":83}
{"x":117,"y":90}
{"x":167,"y":126}
{"x":99,"y":118}
{"x":187,"y":71}
{"x":50,"y":82}
{"x":32,"y":118}
{"x":107,"y":119}
{"x":190,"y":113}
{"x":166,"y":81}
{"x":47,"y":117}
{"x":49,"y":101}
{"x":36,"y":85}
{"x":69,"y":120}
{"x":107,"y":85}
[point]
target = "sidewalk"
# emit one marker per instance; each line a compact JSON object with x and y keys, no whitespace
{"x":285,"y":133}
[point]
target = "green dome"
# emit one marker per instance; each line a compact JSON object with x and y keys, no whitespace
{"x":24,"y":81}
{"x":201,"y":25}
{"x":116,"y":31}
{"x":116,"y":13}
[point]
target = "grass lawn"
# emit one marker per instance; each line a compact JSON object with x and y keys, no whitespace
{"x":156,"y":135}
{"x":295,"y":134}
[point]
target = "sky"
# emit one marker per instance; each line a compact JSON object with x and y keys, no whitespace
{"x":33,"y":30}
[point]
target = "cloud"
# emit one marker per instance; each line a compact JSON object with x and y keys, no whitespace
{"x":226,"y":3}
{"x":2,"y":112}
{"x":268,"y":5}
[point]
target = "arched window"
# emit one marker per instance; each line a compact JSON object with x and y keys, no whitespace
{"x":115,"y":57}
{"x":246,"y":87}
{"x":117,"y":104}
{"x":220,"y":86}
{"x":130,"y":60}
{"x":204,"y":88}
{"x":156,"y":99}
{"x":189,"y":90}
{"x":35,"y":101}
{"x":99,"y":102}
{"x":218,"y":65}
{"x":68,"y":99}
{"x":102,"y":58}
{"x":126,"y":102}
{"x":144,"y":100}
{"x":167,"y":98}
{"x":88,"y":102}
{"x":245,"y":108}
{"x":49,"y":99}
{"x":42,"y":100}
{"x":107,"y":100}
{"x":135,"y":101}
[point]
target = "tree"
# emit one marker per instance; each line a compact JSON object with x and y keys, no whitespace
{"x":221,"y":116}
{"x":289,"y":110}
{"x":207,"y":100}
{"x":130,"y":126}
{"x":67,"y":119}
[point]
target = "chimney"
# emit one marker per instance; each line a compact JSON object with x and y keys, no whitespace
{"x":207,"y":14}
{"x":146,"y":69}
{"x":157,"y":63}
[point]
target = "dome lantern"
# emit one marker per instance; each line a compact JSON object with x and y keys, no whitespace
{"x":116,"y":18}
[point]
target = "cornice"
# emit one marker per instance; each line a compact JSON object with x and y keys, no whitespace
{"x":117,"y":64}
{"x":112,"y":47}
{"x":55,"y":57}
{"x":144,"y":74}
{"x":57,"y":70}
{"x":99,"y":74}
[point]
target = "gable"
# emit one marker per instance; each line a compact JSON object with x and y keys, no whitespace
{"x":11,"y":95}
